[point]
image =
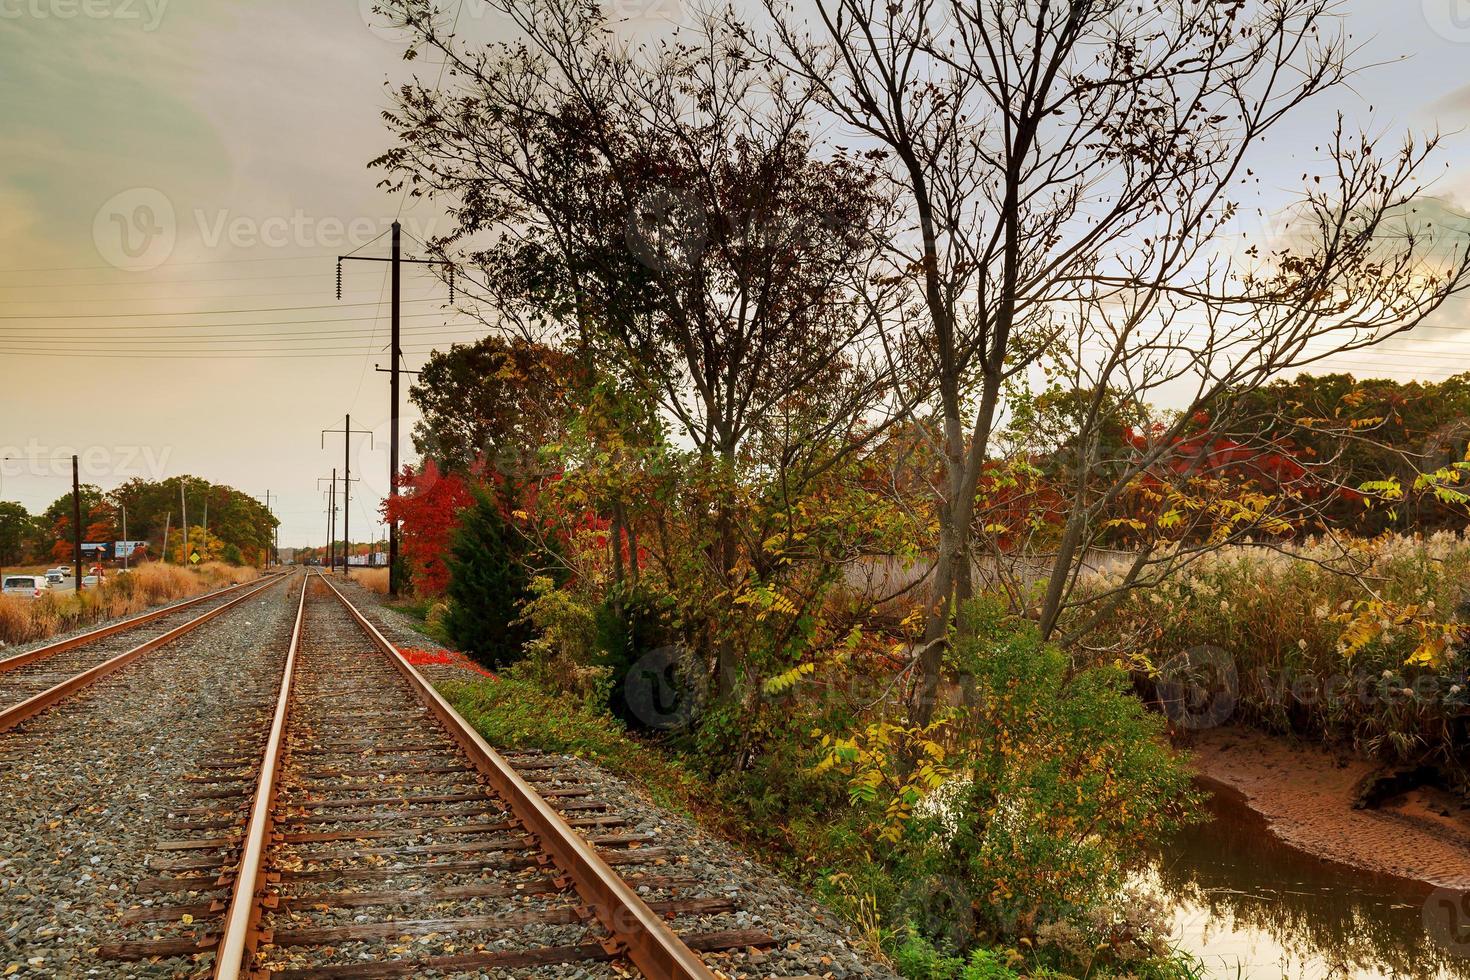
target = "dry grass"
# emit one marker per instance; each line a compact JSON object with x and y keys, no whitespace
{"x":27,"y":620}
{"x":372,"y":579}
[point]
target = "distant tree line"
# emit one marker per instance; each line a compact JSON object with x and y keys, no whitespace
{"x":238,"y":531}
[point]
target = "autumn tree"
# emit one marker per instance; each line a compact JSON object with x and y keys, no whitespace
{"x":427,"y":509}
{"x":498,"y":400}
{"x":668,"y":215}
{"x":16,"y":529}
{"x":1071,"y":177}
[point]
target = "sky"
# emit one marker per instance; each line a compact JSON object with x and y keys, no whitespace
{"x":177,"y":178}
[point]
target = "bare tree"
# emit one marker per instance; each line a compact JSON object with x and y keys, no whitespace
{"x":1070,"y":172}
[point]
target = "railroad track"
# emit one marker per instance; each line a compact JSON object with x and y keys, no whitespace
{"x":33,"y":681}
{"x":365,"y":830}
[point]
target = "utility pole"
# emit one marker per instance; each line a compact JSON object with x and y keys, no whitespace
{"x":394,"y":369}
{"x":270,"y":533}
{"x":347,"y":433}
{"x":184,"y":522}
{"x":76,"y":523}
{"x":127,"y":548}
{"x":167,"y":524}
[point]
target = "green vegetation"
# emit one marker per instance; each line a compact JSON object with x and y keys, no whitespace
{"x":488,"y":584}
{"x":1357,"y":645}
{"x":1046,"y":792}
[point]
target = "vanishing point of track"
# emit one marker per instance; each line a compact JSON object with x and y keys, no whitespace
{"x":370,"y":832}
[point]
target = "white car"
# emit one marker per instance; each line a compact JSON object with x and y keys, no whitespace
{"x":30,"y":586}
{"x":91,"y":581}
{"x":63,"y":570}
{"x":55,"y":577}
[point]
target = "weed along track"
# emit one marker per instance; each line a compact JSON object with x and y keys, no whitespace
{"x":33,"y":681}
{"x":384,"y":838}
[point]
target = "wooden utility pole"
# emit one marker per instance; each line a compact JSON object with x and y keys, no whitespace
{"x":347,"y":433}
{"x":76,"y":523}
{"x":394,"y":369}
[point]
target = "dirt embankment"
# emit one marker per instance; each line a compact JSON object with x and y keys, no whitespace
{"x":1306,"y":793}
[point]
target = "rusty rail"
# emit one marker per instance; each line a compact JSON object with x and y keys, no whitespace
{"x":102,"y":632}
{"x":635,"y":929}
{"x":237,"y":939}
{"x":34,"y":705}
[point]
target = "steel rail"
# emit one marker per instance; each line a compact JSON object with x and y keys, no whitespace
{"x":636,"y":930}
{"x":102,"y":632}
{"x":237,"y":938}
{"x":34,"y":705}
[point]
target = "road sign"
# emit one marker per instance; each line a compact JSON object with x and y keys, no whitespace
{"x":194,"y":557}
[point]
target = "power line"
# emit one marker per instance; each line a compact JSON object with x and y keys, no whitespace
{"x":263,"y":309}
{"x":246,"y":335}
{"x":271,"y":353}
{"x":208,"y":326}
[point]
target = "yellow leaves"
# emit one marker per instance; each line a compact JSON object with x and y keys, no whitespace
{"x":766,"y":600}
{"x":1372,"y":620}
{"x":788,"y":679}
{"x":893,"y":765}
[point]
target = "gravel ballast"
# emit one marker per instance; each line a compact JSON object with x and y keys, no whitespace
{"x":811,"y":941}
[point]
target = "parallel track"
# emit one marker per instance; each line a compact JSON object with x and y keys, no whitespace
{"x":33,"y":681}
{"x":384,"y":838}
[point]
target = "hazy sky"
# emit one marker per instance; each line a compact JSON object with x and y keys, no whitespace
{"x":162,"y":161}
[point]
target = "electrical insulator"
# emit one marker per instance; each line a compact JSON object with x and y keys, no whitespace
{"x":451,"y":285}
{"x":339,"y":280}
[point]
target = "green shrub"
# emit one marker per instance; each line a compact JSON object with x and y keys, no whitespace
{"x":630,"y":622}
{"x":488,"y":583}
{"x":917,"y":959}
{"x":1060,"y":780}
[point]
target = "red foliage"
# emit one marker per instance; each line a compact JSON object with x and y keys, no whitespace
{"x":427,"y":509}
{"x":1209,"y":455}
{"x":442,"y":658}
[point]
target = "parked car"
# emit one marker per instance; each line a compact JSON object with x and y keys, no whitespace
{"x":30,"y":586}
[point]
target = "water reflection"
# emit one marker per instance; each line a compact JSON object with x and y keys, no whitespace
{"x":1252,"y":907}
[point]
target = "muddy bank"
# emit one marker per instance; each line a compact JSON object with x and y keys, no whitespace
{"x":1306,"y":795}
